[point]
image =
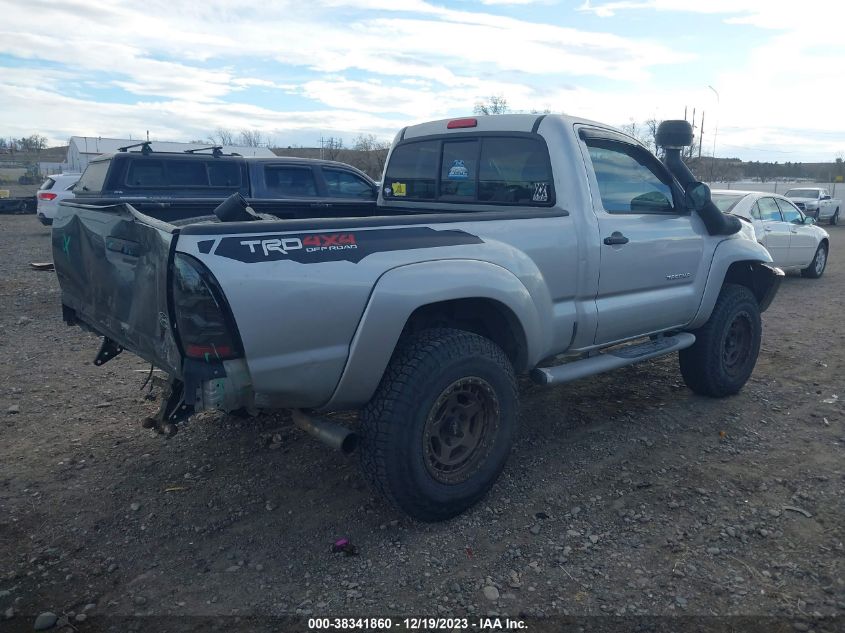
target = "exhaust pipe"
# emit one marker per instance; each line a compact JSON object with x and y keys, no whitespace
{"x":331,"y":433}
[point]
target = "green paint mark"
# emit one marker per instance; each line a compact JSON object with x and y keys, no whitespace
{"x":206,"y":357}
{"x":66,"y":245}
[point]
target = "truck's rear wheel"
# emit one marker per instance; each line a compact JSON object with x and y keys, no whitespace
{"x":834,"y":219}
{"x":440,"y":427}
{"x":725,"y":351}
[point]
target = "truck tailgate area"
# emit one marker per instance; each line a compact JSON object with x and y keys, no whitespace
{"x":112,"y":264}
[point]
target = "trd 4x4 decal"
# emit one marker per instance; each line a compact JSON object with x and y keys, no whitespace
{"x":310,"y":248}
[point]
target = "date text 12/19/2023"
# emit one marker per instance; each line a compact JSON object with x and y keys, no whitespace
{"x":417,"y":624}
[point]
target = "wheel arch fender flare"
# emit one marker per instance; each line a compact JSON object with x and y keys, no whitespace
{"x":401,"y":291}
{"x":742,"y":262}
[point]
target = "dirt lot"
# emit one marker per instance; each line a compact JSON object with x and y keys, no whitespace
{"x":625,"y":494}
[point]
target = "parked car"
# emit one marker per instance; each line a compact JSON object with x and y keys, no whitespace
{"x":816,"y":203}
{"x":500,"y":242}
{"x":179,"y":185}
{"x":52,"y":191}
{"x":788,"y":234}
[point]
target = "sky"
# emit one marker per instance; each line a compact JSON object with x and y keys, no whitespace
{"x":769,"y":75}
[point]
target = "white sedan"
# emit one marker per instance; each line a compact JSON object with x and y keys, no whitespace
{"x":790,"y":236}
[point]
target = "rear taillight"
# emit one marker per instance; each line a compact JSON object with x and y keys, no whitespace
{"x":46,"y":195}
{"x":203,"y":321}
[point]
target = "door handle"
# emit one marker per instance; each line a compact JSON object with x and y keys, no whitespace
{"x":616,"y":238}
{"x":793,"y":231}
{"x":768,"y":230}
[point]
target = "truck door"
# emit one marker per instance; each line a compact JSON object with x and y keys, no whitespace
{"x":825,"y":204}
{"x":651,"y":248}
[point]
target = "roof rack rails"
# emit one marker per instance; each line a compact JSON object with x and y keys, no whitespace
{"x":145,"y":147}
{"x":216,"y":150}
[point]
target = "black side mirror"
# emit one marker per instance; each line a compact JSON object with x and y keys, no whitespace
{"x":825,"y":197}
{"x":697,"y":196}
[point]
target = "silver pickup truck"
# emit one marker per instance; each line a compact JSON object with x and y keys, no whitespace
{"x":816,"y":203}
{"x":547,"y":245}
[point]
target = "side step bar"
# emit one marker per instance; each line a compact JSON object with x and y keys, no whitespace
{"x":614,"y":359}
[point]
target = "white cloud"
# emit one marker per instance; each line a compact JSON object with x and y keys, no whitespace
{"x":375,"y":65}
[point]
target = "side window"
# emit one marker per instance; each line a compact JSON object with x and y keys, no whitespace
{"x":789,"y":212}
{"x":629,"y":179}
{"x":290,"y":181}
{"x":345,"y":184}
{"x":755,"y":212}
{"x":224,"y":174}
{"x":412,"y":172}
{"x":47,"y":184}
{"x":514,"y":170}
{"x":186,"y":173}
{"x":146,"y":173}
{"x":459,"y":172}
{"x":769,"y":209}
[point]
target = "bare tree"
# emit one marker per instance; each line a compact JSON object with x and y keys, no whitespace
{"x":222,"y":136}
{"x":370,"y":155}
{"x":331,"y":148}
{"x":495,"y":104}
{"x":251,"y":138}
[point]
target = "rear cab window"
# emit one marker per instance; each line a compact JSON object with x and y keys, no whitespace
{"x":484,"y":168}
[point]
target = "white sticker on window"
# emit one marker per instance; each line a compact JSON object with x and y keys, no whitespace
{"x":541,"y":192}
{"x":458,"y":171}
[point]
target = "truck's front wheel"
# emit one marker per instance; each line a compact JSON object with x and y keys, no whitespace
{"x":725,"y":351}
{"x":440,"y":427}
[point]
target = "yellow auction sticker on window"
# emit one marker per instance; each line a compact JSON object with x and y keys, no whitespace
{"x":398,"y":188}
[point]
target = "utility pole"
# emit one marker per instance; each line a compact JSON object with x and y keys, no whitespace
{"x":715,"y":133}
{"x":701,"y":134}
{"x":689,"y":151}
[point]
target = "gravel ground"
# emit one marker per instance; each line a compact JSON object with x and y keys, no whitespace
{"x":625,"y":495}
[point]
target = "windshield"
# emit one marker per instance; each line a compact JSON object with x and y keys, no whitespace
{"x":726,"y":201}
{"x":802,"y":193}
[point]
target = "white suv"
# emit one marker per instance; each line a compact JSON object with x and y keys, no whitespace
{"x":55,"y":189}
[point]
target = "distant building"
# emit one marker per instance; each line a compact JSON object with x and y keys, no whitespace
{"x":83,"y":148}
{"x":47,"y":168}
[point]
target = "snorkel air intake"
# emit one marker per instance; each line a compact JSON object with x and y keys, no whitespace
{"x":673,"y":136}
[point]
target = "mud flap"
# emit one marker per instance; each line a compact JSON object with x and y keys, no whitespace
{"x":766,"y":280}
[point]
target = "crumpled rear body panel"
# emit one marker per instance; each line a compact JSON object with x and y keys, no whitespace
{"x":112,"y":264}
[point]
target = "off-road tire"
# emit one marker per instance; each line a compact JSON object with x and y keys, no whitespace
{"x":711,"y":366}
{"x":834,"y":219}
{"x":395,"y":423}
{"x":816,"y":268}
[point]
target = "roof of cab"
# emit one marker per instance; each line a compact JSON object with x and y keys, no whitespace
{"x":496,"y":123}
